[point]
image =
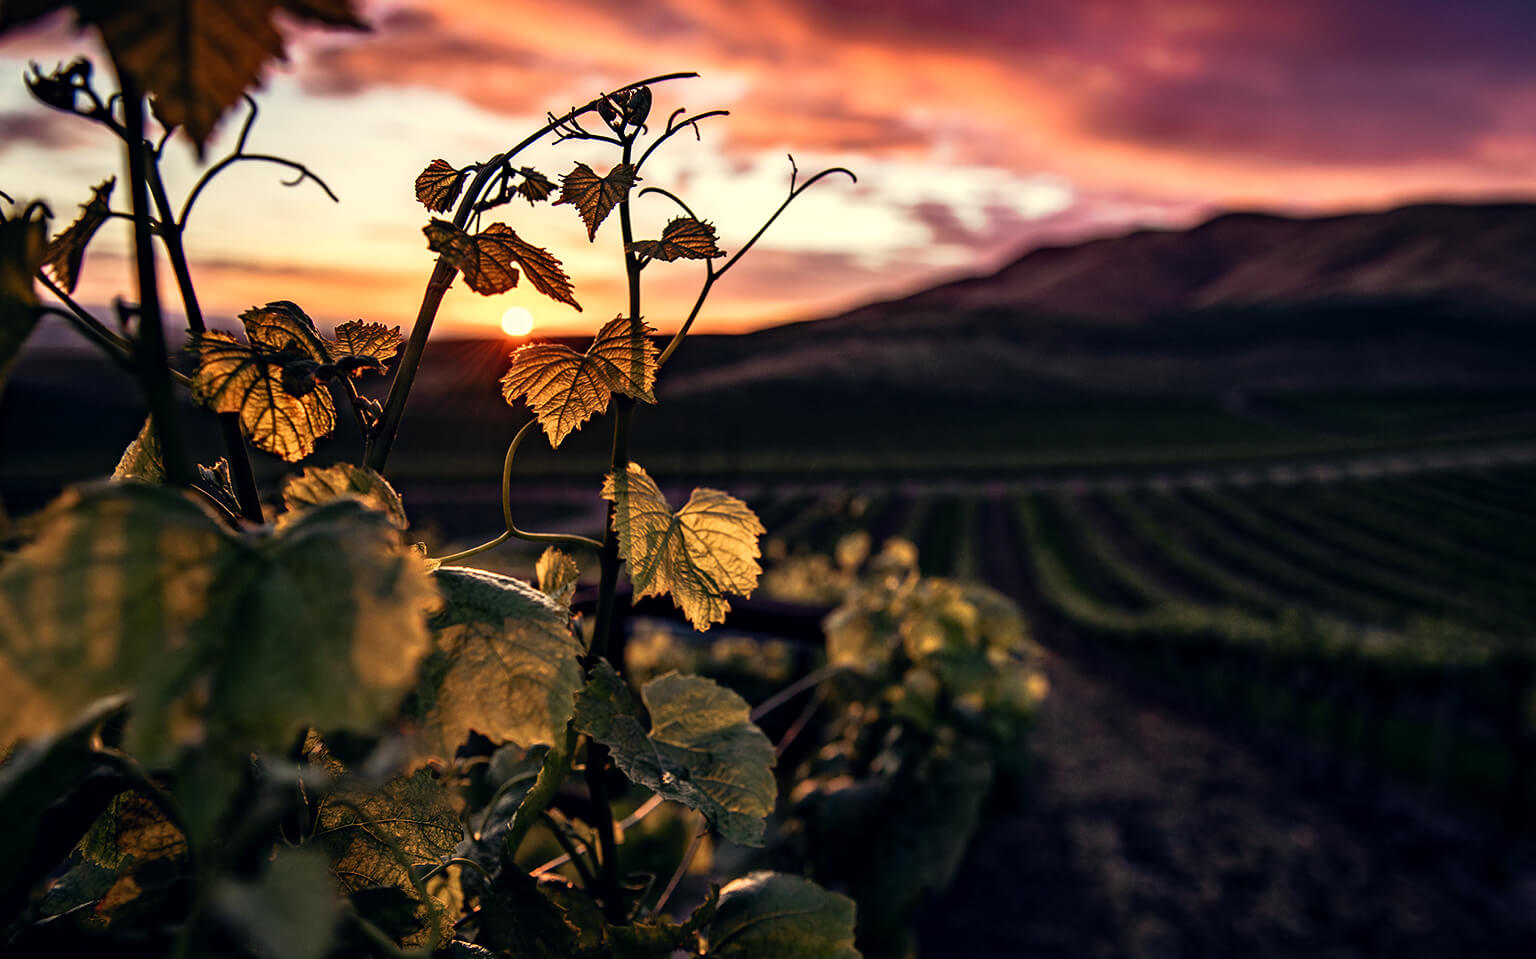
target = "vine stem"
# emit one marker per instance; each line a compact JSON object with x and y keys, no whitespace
{"x":712,"y":275}
{"x":235,"y":452}
{"x":566,"y":539}
{"x":154,"y":372}
{"x":383,"y":438}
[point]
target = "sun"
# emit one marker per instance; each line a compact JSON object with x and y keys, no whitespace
{"x":517,"y":321}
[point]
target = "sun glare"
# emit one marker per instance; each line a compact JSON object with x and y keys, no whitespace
{"x":517,"y":321}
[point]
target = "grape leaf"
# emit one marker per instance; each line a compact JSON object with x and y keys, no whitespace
{"x":217,"y":482}
{"x":504,"y":663}
{"x":356,"y":338}
{"x":259,"y":384}
{"x":595,"y":196}
{"x":699,"y":554}
{"x":438,"y":186}
{"x":534,"y":186}
{"x":542,"y":269}
{"x":769,"y":915}
{"x":557,"y":574}
{"x":485,"y":263}
{"x":683,"y":238}
{"x":194,"y":57}
{"x":141,"y":460}
{"x":565,"y":388}
{"x":318,"y":485}
{"x":363,"y":827}
{"x":282,"y":326}
{"x":702,"y":750}
{"x":241,"y":638}
{"x":66,"y":251}
{"x":23,"y":245}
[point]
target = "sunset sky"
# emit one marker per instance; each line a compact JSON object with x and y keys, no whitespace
{"x":978,"y":130}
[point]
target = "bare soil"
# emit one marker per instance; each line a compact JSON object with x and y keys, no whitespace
{"x":1151,"y":828}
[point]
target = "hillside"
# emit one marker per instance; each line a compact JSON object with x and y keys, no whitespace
{"x":1427,"y":296}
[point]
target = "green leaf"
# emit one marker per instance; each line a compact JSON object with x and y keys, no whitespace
{"x":683,"y":238}
{"x":595,"y":196}
{"x":660,"y":937}
{"x":565,"y":388}
{"x":23,"y":244}
{"x":66,"y":251}
{"x":317,"y":485}
{"x":769,"y":915}
{"x":504,"y":663}
{"x":376,"y":837}
{"x":699,"y":554}
{"x":529,"y":920}
{"x":141,"y":460}
{"x":290,"y":910}
{"x":37,"y":775}
{"x":438,"y":186}
{"x":244,"y":638}
{"x":702,"y":750}
{"x":195,"y":57}
{"x":557,"y":574}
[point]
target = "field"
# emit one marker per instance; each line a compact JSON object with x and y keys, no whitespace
{"x":1288,"y":633}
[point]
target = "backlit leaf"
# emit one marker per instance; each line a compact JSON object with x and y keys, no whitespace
{"x":565,"y":388}
{"x":504,"y":663}
{"x":557,"y":574}
{"x":769,"y":915}
{"x":542,"y":269}
{"x":683,"y":238}
{"x":141,"y":460}
{"x":232,"y":377}
{"x":23,"y":244}
{"x":195,"y":57}
{"x":485,"y":262}
{"x":438,"y":186}
{"x":595,"y":196}
{"x":317,"y":485}
{"x":217,"y":482}
{"x":67,"y":250}
{"x":534,"y":186}
{"x":356,"y":338}
{"x":282,"y":326}
{"x":378,"y":836}
{"x":702,"y":750}
{"x":246,"y":639}
{"x":705,"y":550}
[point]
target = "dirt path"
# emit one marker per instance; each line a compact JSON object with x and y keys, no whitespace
{"x":1150,"y":832}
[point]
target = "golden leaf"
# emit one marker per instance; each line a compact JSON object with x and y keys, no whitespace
{"x":542,"y":269}
{"x":557,"y":574}
{"x":683,"y":238}
{"x":438,"y":186}
{"x":534,"y":186}
{"x":369,"y":341}
{"x":504,"y":663}
{"x":67,"y":250}
{"x":565,"y":388}
{"x":595,"y":196}
{"x":232,"y":377}
{"x":699,"y":554}
{"x":195,"y":57}
{"x":317,"y":485}
{"x":487,"y":267}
